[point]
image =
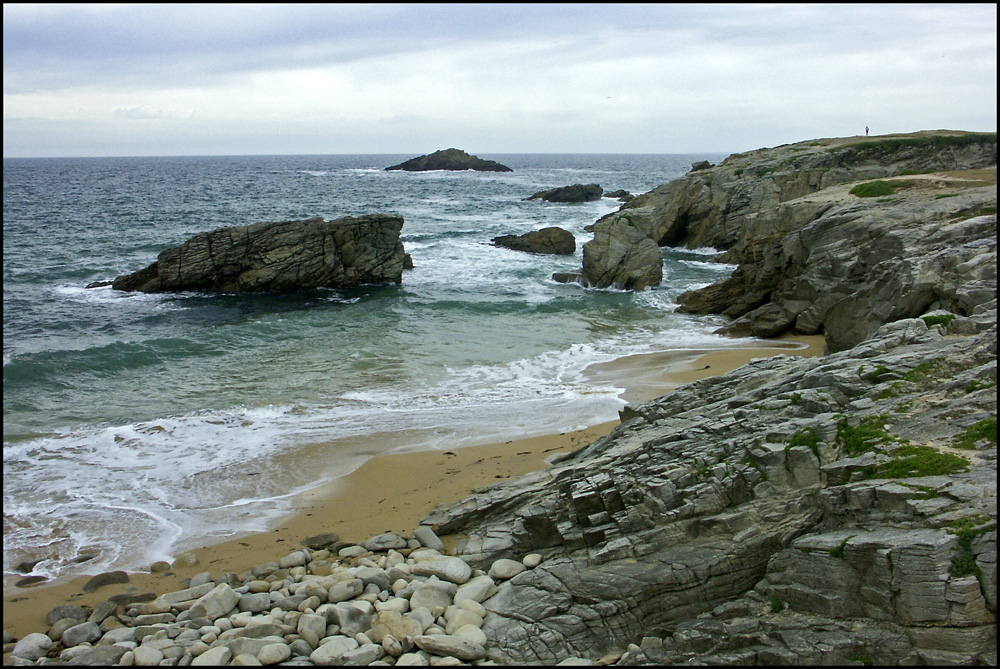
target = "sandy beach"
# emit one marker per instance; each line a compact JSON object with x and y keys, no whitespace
{"x":392,"y":493}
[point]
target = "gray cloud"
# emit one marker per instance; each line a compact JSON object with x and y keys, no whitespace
{"x":532,"y":77}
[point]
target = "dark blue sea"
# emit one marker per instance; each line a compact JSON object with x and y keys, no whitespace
{"x":138,"y":426}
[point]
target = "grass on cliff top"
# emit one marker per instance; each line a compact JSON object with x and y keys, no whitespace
{"x":895,"y":143}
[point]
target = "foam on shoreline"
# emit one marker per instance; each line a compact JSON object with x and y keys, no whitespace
{"x":393,"y":492}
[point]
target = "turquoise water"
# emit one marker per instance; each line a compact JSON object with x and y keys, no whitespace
{"x":131,"y":421}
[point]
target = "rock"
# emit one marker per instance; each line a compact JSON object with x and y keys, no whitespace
{"x":504,"y":569}
{"x":32,"y":647}
{"x":295,"y":559}
{"x":622,"y":195}
{"x":531,"y":560}
{"x":551,"y":240}
{"x":214,"y":657}
{"x":451,"y":569}
{"x":450,"y":159}
{"x":477,"y":589}
{"x":146,"y":656}
{"x":215,"y":604}
{"x":65,"y":611}
{"x":385,"y":542}
{"x":101,"y":656}
{"x":574,"y":193}
{"x":701,"y":165}
{"x":320,"y":541}
{"x":184,"y":560}
{"x":332,"y":650}
{"x":245,"y":660}
{"x":102,"y":611}
{"x":396,"y":625}
{"x":621,"y":255}
{"x":343,"y":591}
{"x":82,"y":633}
{"x":107,"y":578}
{"x":434,"y":598}
{"x":279,"y":256}
{"x":274,"y":653}
{"x":426,"y":536}
{"x":443,"y":644}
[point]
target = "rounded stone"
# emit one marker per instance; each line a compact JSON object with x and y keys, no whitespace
{"x":147,"y":656}
{"x":274,"y":654}
{"x":504,"y":569}
{"x":32,"y":646}
{"x":531,"y":560}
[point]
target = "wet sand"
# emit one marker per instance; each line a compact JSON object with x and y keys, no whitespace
{"x":391,"y":493}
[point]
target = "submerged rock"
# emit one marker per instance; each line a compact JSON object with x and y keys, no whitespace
{"x":450,"y":159}
{"x":280,"y":256}
{"x":550,"y":240}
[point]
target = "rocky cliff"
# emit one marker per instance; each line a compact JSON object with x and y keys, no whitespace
{"x":813,"y":256}
{"x":817,"y":510}
{"x":829,"y":510}
{"x":280,"y":256}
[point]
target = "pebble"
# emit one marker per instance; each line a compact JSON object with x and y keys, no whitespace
{"x":367,"y":605}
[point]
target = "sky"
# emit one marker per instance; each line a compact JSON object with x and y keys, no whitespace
{"x":260,"y":79}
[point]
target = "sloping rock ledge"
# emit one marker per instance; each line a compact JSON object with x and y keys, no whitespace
{"x":279,"y":256}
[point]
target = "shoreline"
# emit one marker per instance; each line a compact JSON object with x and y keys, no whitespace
{"x":392,"y":492}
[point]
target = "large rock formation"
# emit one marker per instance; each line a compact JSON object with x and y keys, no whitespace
{"x":450,"y":159}
{"x":280,"y":256}
{"x":550,"y":240}
{"x":794,"y":511}
{"x":827,"y":510}
{"x":574,"y":193}
{"x":788,"y":211}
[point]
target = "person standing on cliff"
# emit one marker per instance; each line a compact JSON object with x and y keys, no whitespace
{"x":866,"y":131}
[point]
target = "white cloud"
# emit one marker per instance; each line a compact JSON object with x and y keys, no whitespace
{"x":489,"y":78}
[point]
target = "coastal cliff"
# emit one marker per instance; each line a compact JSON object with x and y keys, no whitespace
{"x":833,"y":510}
{"x":794,"y":511}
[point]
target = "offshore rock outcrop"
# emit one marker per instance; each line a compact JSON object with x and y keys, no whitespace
{"x":552,"y":240}
{"x":449,"y":159}
{"x":279,"y":256}
{"x":574,"y":193}
{"x":796,"y":510}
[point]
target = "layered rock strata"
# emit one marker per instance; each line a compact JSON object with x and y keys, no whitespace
{"x":793,"y":511}
{"x":745,"y":204}
{"x":449,"y":159}
{"x":280,"y":256}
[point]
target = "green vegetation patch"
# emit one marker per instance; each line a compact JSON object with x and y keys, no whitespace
{"x":976,"y":384}
{"x":926,"y":491}
{"x":944,"y":195}
{"x":984,"y":429}
{"x":973,"y":212}
{"x":897,"y":143}
{"x":806,"y":437}
{"x":862,"y":658}
{"x":875,"y":188}
{"x":838,"y":552}
{"x":941,"y":319}
{"x":967,"y":529}
{"x":777,"y":606}
{"x":911,"y":461}
{"x":873,"y":375}
{"x":862,"y":438}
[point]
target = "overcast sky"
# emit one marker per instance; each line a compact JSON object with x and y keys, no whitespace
{"x":119,"y":80}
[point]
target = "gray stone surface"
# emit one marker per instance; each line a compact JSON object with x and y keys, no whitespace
{"x":279,"y":256}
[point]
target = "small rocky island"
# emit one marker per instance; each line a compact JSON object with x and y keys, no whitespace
{"x":552,"y":240}
{"x":574,"y":193}
{"x":279,"y":256}
{"x":449,"y":159}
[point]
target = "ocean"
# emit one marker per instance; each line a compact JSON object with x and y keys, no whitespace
{"x":139,"y":426}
